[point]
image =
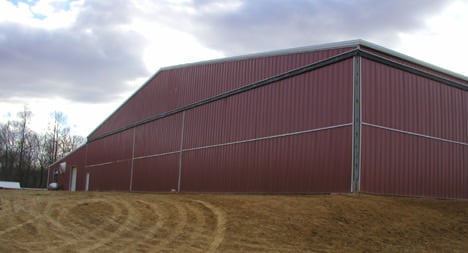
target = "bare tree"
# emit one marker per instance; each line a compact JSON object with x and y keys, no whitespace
{"x":25,"y":155}
{"x":9,"y":152}
{"x":24,"y":116}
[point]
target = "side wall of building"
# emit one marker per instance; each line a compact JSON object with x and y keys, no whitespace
{"x":64,"y":167}
{"x":174,"y":88}
{"x":294,"y":135}
{"x":414,"y":134}
{"x":290,"y":136}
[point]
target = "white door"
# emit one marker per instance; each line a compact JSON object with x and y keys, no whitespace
{"x":73,"y":180}
{"x":87,"y":182}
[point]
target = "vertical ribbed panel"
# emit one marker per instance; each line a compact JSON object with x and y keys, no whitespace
{"x":317,"y":99}
{"x":312,"y":162}
{"x":110,"y":177}
{"x":415,"y":65}
{"x":157,"y":137}
{"x":77,"y":160}
{"x":113,"y":148}
{"x":397,"y":99}
{"x":156,"y":173}
{"x":173,"y":88}
{"x":402,"y":164}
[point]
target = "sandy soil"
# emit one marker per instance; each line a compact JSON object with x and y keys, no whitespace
{"x":42,"y":221}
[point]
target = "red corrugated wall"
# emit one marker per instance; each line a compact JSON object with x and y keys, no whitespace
{"x":395,"y":162}
{"x":306,"y":163}
{"x":309,"y":162}
{"x":109,"y":162}
{"x":294,"y":135}
{"x":414,"y":65}
{"x":173,"y":88}
{"x":113,"y":176}
{"x":320,"y":98}
{"x":75,"y":159}
{"x":402,"y":164}
{"x":156,"y":165}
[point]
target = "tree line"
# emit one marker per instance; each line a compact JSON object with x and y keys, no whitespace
{"x":25,"y":155}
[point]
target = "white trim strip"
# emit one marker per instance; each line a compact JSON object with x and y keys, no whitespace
{"x":156,"y":155}
{"x":107,"y":163}
{"x":98,"y":164}
{"x":232,"y":143}
{"x":269,"y":137}
{"x":415,"y":134}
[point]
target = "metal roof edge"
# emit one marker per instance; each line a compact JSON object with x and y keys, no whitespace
{"x":303,"y":49}
{"x":333,"y":45}
{"x":281,"y":76}
{"x":342,"y":44}
{"x":410,"y":59}
{"x":69,"y":154}
{"x":124,"y":102}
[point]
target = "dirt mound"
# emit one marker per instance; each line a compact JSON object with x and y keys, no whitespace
{"x":41,"y":221}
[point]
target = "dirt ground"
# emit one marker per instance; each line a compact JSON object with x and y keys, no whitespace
{"x":44,"y":221}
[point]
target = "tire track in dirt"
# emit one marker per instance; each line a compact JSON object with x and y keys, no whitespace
{"x":50,"y":220}
{"x":83,"y":233}
{"x":147,"y":234}
{"x":166,"y":225}
{"x":112,"y":227}
{"x":195,"y":234}
{"x":18,"y":226}
{"x":22,"y":216}
{"x":136,"y":227}
{"x":176,"y":223}
{"x":64,"y":220}
{"x":17,"y":218}
{"x":219,"y":232}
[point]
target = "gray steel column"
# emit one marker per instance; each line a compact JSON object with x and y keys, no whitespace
{"x":181,"y":150}
{"x":357,"y":112}
{"x":133,"y":158}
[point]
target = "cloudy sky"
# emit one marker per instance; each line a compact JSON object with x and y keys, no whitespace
{"x":84,"y":58}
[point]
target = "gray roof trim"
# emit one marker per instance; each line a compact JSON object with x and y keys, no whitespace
{"x":411,"y":59}
{"x":310,"y":67}
{"x":343,"y":44}
{"x":334,"y":45}
{"x":68,"y":154}
{"x":413,"y":70}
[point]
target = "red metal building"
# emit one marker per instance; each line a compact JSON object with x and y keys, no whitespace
{"x":342,"y":117}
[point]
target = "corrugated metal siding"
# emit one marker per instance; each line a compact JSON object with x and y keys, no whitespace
{"x":110,"y":177}
{"x":174,"y":88}
{"x":317,"y":99}
{"x":397,"y":99}
{"x":158,"y":137}
{"x":112,"y":148}
{"x":75,"y":159}
{"x":414,"y":65}
{"x":312,"y":162}
{"x":156,"y":173}
{"x":402,"y":164}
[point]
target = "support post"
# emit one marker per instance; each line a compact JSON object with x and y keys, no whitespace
{"x":357,"y":113}
{"x":133,"y":158}
{"x":181,"y":151}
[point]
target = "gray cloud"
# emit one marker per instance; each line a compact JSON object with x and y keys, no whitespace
{"x":89,"y":62}
{"x":271,"y":24}
{"x":92,"y":60}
